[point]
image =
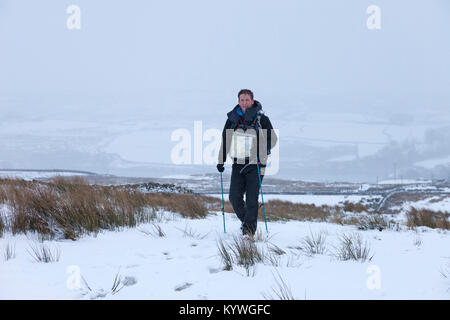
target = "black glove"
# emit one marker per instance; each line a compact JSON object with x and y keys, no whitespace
{"x":220,"y":167}
{"x":261,"y":165}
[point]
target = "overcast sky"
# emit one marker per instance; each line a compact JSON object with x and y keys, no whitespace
{"x":192,"y":56}
{"x":303,"y":46}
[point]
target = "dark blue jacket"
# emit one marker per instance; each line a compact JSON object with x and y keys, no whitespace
{"x":253,"y":118}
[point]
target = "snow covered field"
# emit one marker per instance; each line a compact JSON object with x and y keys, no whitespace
{"x":185,"y":264}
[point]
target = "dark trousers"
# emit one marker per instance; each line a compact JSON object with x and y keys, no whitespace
{"x":244,"y":179}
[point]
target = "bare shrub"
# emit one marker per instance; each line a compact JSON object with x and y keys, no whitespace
{"x":352,"y":247}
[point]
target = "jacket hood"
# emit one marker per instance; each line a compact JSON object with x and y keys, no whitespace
{"x":249,"y":115}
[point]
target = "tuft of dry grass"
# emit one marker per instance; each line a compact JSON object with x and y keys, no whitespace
{"x":417,"y":241}
{"x":245,"y":252}
{"x":225,"y":255}
{"x":242,"y":252}
{"x":281,"y":290}
{"x":157,"y":231}
{"x":427,"y":218}
{"x":352,"y":247}
{"x":274,"y":249}
{"x":372,"y":222}
{"x":189,"y":232}
{"x":2,"y":226}
{"x":10,"y":252}
{"x":189,"y":205}
{"x":43,"y":253}
{"x":118,"y":284}
{"x":313,"y":244}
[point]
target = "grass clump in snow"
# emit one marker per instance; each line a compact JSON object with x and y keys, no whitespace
{"x":118,"y":284}
{"x":189,"y":232}
{"x":157,"y":231}
{"x":313,"y":244}
{"x":10,"y":252}
{"x":427,"y":218}
{"x":244,"y":253}
{"x":43,"y":253}
{"x":2,"y":226}
{"x":225,"y":255}
{"x":352,"y":247}
{"x":281,"y":290}
{"x":372,"y":222}
{"x":274,"y":249}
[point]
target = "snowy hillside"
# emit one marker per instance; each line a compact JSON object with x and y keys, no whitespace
{"x":176,"y":257}
{"x":185,"y":264}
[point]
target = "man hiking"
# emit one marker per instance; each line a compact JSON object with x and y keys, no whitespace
{"x":248,"y":137}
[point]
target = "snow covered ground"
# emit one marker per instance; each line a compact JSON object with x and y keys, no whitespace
{"x":185,"y":264}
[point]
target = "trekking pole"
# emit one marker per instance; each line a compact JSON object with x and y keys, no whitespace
{"x":262,"y":197}
{"x":223,"y":205}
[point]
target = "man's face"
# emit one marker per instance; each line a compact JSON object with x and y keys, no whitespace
{"x":245,"y":101}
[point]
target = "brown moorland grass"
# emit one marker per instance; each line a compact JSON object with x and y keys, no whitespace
{"x":427,"y":218}
{"x":70,"y":207}
{"x":67,"y":208}
{"x":355,"y":207}
{"x":286,"y":210}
